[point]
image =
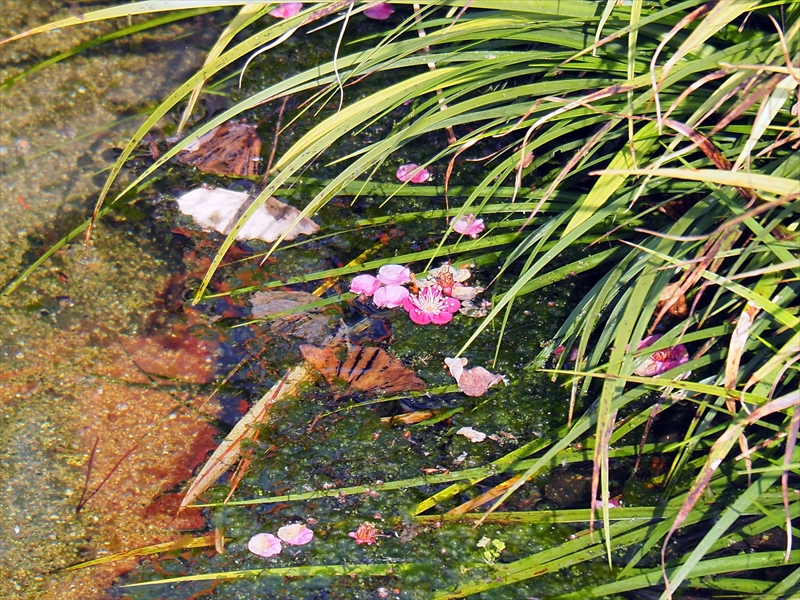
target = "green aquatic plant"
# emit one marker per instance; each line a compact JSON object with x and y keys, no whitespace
{"x":651,"y":146}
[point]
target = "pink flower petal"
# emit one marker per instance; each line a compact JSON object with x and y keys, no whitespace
{"x":366,"y":533}
{"x":661,"y":361}
{"x":390,"y":296}
{"x":416,"y":315}
{"x":394,"y":275}
{"x":430,"y":306}
{"x":364,"y":284}
{"x":409,"y":173}
{"x":264,"y":544}
{"x":287,"y":10}
{"x":443,"y":318}
{"x":469,"y":225}
{"x":296,"y":535}
{"x":473,"y":382}
{"x":380,"y":11}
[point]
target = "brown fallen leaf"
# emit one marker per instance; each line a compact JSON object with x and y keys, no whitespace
{"x":674,"y":300}
{"x":310,"y":325}
{"x":230,"y":149}
{"x":362,"y":369}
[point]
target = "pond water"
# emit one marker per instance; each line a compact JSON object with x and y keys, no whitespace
{"x":106,"y":369}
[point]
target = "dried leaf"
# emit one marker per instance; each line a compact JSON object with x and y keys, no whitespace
{"x":362,"y":369}
{"x":471,"y":434}
{"x":310,"y":325}
{"x":230,"y":149}
{"x":672,"y":301}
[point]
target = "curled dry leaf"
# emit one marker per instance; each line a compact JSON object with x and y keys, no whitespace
{"x":473,"y":382}
{"x":218,"y":209}
{"x":672,"y":301}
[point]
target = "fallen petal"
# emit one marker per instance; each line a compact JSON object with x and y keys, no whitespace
{"x":380,"y":11}
{"x":469,"y":225}
{"x":411,"y":173}
{"x":456,"y":366}
{"x":475,"y":310}
{"x":473,"y":382}
{"x":465,"y":292}
{"x":296,"y":535}
{"x":264,"y":544}
{"x":390,"y":296}
{"x":287,"y":10}
{"x":394,"y":274}
{"x":472,"y":435}
{"x":365,"y":284}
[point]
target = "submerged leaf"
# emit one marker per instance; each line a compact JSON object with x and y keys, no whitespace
{"x":231,"y":149}
{"x":363,"y":369}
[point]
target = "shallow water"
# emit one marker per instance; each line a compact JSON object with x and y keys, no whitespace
{"x":103,"y":360}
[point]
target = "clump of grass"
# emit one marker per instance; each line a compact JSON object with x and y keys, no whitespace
{"x":662,"y":150}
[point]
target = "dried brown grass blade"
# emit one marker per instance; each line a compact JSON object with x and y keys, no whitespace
{"x":487,"y":496}
{"x":230,"y":449}
{"x":716,"y":454}
{"x":184,"y":542}
{"x":791,"y":441}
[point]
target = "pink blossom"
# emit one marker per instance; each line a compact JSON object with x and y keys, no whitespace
{"x":430,"y":306}
{"x":662,"y":360}
{"x":410,"y":173}
{"x":469,"y":225}
{"x":366,"y":533}
{"x":380,"y":11}
{"x":264,"y":544}
{"x":390,"y":296}
{"x":287,"y":10}
{"x":364,"y":284}
{"x":394,"y":275}
{"x":612,"y":503}
{"x":296,"y":535}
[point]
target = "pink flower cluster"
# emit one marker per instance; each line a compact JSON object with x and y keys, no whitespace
{"x":429,"y":305}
